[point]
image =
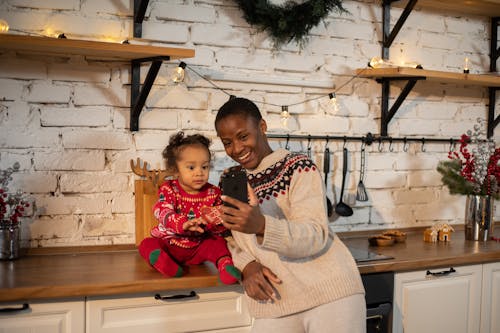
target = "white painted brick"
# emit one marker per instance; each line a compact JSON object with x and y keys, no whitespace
{"x":241,"y":59}
{"x":328,"y":125}
{"x":88,"y":139}
{"x":344,"y":29}
{"x":376,"y":161}
{"x":28,"y":138}
{"x":231,"y":16}
{"x":433,"y":21}
{"x":424,"y":178}
{"x":151,"y":140}
{"x":191,"y":120}
{"x":54,"y":227}
{"x":40,"y":182}
{"x":177,"y":97}
{"x":74,"y":204}
{"x":115,"y":7}
{"x":439,"y":211}
{"x":121,"y":118}
{"x":85,"y":26}
{"x":334,"y":46}
{"x":414,"y":196}
{"x":119,"y":161}
{"x":297,"y":63}
{"x":382,"y":198}
{"x":22,"y":69}
{"x":204,"y":56}
{"x":439,"y":41}
{"x":78,"y":160}
{"x":395,"y":215}
{"x":464,"y":26}
{"x":420,"y":127}
{"x":408,"y":162}
{"x":8,"y":158}
{"x":102,"y":226}
{"x":101,"y":95}
{"x":11,"y":89}
{"x":93,"y":183}
{"x":168,"y":32}
{"x":386,"y":179}
{"x":433,"y":111}
{"x":123,"y":202}
{"x":25,"y":20}
{"x":73,"y":72}
{"x":186,"y":13}
{"x":219,"y":35}
{"x":45,"y":92}
{"x":159,"y":119}
{"x":82,"y":116}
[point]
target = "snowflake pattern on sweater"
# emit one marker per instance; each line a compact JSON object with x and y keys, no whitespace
{"x":276,"y":179}
{"x":175,"y":207}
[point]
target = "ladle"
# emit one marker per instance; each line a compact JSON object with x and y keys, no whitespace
{"x":326,"y":170}
{"x":342,"y":208}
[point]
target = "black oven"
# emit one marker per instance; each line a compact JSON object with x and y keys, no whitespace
{"x":379,"y":288}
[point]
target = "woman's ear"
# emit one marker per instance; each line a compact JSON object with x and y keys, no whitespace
{"x":263,"y":126}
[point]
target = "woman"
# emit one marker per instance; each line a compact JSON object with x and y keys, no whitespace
{"x":298,"y":277}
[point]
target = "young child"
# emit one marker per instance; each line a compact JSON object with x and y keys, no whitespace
{"x":188,"y":231}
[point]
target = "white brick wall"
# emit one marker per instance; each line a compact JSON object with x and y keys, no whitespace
{"x":66,"y":119}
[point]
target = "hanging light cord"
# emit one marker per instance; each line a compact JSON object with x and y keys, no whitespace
{"x":272,"y":104}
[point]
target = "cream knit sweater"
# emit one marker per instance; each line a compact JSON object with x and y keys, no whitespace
{"x":315,"y":267}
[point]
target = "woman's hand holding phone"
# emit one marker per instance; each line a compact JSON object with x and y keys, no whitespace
{"x":243,"y":217}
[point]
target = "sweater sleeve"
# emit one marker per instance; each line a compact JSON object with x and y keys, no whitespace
{"x":164,"y":211}
{"x":303,"y":232}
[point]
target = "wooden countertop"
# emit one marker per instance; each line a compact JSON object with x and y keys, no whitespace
{"x":123,"y":271}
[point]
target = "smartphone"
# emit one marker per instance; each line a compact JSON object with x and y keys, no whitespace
{"x":234,"y":185}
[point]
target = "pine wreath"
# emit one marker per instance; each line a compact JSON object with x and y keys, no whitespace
{"x":288,"y":22}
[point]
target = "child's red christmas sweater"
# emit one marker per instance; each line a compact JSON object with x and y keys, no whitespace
{"x":175,"y":206}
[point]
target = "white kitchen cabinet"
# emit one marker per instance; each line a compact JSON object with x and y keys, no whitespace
{"x":446,"y":302}
{"x":220,"y":309}
{"x":490,"y":305}
{"x":61,"y":316}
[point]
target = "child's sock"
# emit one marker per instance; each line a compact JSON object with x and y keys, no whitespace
{"x":151,"y":251}
{"x":228,"y":274}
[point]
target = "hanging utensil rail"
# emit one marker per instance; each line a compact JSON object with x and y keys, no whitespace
{"x":368,"y":139}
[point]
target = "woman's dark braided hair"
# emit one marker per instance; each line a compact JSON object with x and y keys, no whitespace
{"x":178,"y":142}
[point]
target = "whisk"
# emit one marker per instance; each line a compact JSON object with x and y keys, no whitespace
{"x":361,"y":194}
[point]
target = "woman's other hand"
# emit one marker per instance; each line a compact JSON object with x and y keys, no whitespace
{"x":258,"y":281}
{"x":245,"y":218}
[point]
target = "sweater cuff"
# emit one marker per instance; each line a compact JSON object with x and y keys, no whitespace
{"x":242,"y":260}
{"x":273,"y":234}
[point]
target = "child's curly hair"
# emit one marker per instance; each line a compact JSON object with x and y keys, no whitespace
{"x":178,"y":142}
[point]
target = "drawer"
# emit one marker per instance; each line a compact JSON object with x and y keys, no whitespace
{"x":216,"y":308}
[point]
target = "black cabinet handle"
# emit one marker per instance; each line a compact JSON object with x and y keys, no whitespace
{"x":192,"y":294}
{"x":23,"y":307}
{"x":451,"y":270}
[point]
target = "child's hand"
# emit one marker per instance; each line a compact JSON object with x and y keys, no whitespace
{"x":194,"y":225}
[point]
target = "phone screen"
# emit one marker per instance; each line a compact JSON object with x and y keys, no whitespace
{"x":234,"y":185}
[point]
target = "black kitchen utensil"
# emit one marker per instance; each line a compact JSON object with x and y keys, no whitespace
{"x":342,"y":208}
{"x":361,"y":194}
{"x":326,"y":170}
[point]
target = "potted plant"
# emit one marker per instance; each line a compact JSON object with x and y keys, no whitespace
{"x":473,"y":171}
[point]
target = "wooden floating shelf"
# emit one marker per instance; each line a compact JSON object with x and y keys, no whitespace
{"x":485,"y":80}
{"x":490,"y":8}
{"x":94,"y":49}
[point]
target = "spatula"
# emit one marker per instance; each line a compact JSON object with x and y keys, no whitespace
{"x":361,"y":194}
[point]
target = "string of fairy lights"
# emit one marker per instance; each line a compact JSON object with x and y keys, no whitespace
{"x":178,"y":76}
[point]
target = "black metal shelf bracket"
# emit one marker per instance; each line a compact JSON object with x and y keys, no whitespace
{"x":494,"y":54}
{"x":388,"y":35}
{"x":386,"y":113}
{"x":139,"y":12}
{"x":138,"y":96}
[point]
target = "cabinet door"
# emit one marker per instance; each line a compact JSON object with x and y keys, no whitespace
{"x":490,"y":306}
{"x":213,"y":309}
{"x":44,"y":317}
{"x":444,"y":302}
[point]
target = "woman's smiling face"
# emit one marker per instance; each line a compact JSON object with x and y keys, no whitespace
{"x":244,"y":139}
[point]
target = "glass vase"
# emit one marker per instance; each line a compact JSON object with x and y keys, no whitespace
{"x":478,"y":217}
{"x":9,"y":240}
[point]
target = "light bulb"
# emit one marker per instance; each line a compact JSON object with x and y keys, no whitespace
{"x":333,"y":102}
{"x":178,"y":75}
{"x":4,"y":26}
{"x":284,"y":116}
{"x":377,"y":62}
{"x":466,"y":65}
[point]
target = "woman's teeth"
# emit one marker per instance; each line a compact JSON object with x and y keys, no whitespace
{"x":242,"y":158}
